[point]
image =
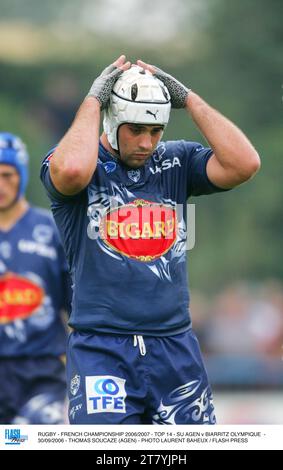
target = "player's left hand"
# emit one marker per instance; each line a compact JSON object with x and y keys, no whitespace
{"x":178,"y":91}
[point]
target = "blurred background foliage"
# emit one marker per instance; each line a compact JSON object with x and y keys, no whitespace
{"x":228,"y":52}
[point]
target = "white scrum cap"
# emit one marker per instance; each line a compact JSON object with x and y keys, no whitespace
{"x":137,"y":97}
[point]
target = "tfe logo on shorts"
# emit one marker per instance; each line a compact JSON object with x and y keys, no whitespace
{"x":105,"y":394}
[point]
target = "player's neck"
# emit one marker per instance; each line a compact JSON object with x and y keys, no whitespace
{"x":9,"y":217}
{"x":106,"y":145}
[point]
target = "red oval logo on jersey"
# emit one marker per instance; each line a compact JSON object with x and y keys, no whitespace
{"x":142,"y":230}
{"x":19,"y":297}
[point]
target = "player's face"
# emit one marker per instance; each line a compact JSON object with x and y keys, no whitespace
{"x":9,"y":185}
{"x":137,"y":142}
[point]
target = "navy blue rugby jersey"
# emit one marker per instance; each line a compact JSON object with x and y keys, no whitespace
{"x":34,"y":287}
{"x":124,"y":237}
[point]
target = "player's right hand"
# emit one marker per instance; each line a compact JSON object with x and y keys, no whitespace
{"x":102,"y":85}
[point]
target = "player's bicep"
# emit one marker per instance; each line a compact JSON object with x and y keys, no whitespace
{"x":220,"y":176}
{"x":52,"y":190}
{"x":66,"y":183}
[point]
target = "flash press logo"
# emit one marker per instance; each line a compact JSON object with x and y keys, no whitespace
{"x":14,"y":437}
{"x":105,"y":394}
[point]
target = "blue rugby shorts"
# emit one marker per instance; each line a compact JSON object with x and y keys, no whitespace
{"x":134,"y":379}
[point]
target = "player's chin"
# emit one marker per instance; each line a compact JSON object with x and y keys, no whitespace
{"x":137,"y":162}
{"x":4,"y":208}
{"x":136,"y":166}
{"x":3,"y":204}
{"x":6,"y":204}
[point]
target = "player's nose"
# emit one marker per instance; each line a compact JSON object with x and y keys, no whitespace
{"x":145,"y":142}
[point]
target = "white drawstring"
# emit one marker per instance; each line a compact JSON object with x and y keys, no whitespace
{"x":138,"y":340}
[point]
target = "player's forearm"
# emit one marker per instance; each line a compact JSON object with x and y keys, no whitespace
{"x":231,"y":147}
{"x":75,"y":158}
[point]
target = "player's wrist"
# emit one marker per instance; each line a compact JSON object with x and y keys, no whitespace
{"x":189,"y":98}
{"x":93,"y":101}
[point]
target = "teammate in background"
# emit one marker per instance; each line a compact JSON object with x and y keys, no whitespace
{"x":34,"y":288}
{"x":133,"y":356}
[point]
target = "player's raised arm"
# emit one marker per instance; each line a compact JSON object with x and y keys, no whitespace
{"x":234,"y":158}
{"x":75,"y":158}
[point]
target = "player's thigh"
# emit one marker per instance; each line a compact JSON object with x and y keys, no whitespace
{"x":104,"y":375}
{"x":180,"y":389}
